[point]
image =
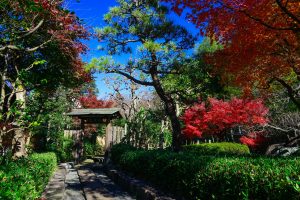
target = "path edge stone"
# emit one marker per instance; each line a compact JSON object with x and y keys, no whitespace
{"x":135,"y":187}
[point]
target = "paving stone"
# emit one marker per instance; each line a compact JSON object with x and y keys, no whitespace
{"x":69,"y":184}
{"x":56,"y":186}
{"x":97,"y":186}
{"x":73,"y":189}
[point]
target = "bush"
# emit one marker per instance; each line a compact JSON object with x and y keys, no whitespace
{"x":118,"y":150}
{"x":222,"y":148}
{"x":195,"y":176}
{"x":91,"y":148}
{"x":65,"y":150}
{"x":26,"y":178}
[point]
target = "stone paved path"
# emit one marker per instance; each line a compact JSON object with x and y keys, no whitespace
{"x":97,"y":185}
{"x":82,"y":183}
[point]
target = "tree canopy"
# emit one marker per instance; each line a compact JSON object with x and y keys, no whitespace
{"x":40,"y":47}
{"x":144,"y":25}
{"x":261,"y":40}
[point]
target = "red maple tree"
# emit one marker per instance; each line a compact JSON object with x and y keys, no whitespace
{"x":261,"y":39}
{"x":254,"y":140}
{"x":217,"y":116}
{"x":91,"y":101}
{"x":65,"y":29}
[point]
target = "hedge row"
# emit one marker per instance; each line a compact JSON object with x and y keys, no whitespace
{"x":26,"y":178}
{"x":222,"y":148}
{"x":195,"y":176}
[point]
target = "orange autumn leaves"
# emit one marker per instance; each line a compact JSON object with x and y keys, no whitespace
{"x":261,"y":39}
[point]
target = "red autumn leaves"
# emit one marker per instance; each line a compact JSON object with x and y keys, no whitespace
{"x":217,"y":116}
{"x":261,"y":39}
{"x":91,"y":101}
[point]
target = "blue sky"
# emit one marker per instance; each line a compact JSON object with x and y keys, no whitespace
{"x":91,"y":12}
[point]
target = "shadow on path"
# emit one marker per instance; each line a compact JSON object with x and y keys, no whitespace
{"x":82,"y":183}
{"x":97,"y":185}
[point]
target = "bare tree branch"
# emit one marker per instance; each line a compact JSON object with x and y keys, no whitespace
{"x":14,"y":47}
{"x":263,"y":22}
{"x":285,"y":10}
{"x":34,"y":29}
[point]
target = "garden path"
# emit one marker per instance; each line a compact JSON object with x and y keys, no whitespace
{"x":82,"y":183}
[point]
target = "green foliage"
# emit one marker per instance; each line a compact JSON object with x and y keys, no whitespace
{"x":64,"y":150}
{"x":92,"y":149}
{"x":222,"y":148}
{"x":195,"y":176}
{"x":26,"y":178}
{"x":47,"y":111}
{"x":90,"y":145}
{"x":194,"y":77}
{"x":144,"y":26}
{"x":208,"y":46}
{"x":118,"y":150}
{"x":145,"y":129}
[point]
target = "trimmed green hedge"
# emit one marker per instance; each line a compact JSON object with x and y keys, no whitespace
{"x":26,"y":178}
{"x":222,"y":148}
{"x":193,"y":176}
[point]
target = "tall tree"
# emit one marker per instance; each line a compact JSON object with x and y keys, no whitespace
{"x":39,"y":50}
{"x":144,"y":25}
{"x":261,"y":40}
{"x":196,"y":79}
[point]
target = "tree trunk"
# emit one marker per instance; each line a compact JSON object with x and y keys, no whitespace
{"x":291,"y":92}
{"x":2,"y":100}
{"x":161,"y":136}
{"x":171,"y":111}
{"x":19,"y":143}
{"x":2,"y":95}
{"x":176,"y":127}
{"x":19,"y":140}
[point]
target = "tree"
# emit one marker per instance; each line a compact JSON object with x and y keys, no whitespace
{"x":91,"y":101}
{"x":39,"y":50}
{"x":148,"y":129}
{"x":144,"y":25}
{"x":129,"y":96}
{"x":219,"y":116}
{"x":261,"y":40}
{"x":46,"y":113}
{"x":196,"y":79}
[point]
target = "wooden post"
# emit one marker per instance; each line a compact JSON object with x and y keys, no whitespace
{"x":118,"y":135}
{"x":112,"y":135}
{"x":77,"y":150}
{"x":108,"y":133}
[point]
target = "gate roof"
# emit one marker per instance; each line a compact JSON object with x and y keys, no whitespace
{"x":99,"y":112}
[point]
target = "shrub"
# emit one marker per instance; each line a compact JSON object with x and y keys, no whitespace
{"x":118,"y":150}
{"x":218,"y":116}
{"x":64,"y":152}
{"x":26,"y":178}
{"x":223,"y":148}
{"x":92,"y":148}
{"x":195,"y":176}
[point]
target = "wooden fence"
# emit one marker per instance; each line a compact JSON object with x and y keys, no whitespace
{"x":114,"y":135}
